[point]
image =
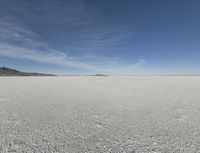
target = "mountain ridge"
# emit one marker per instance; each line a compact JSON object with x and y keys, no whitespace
{"x":5,"y":71}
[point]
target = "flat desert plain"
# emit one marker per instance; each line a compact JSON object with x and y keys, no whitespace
{"x":151,"y":114}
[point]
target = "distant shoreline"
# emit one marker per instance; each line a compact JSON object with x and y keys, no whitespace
{"x":5,"y":71}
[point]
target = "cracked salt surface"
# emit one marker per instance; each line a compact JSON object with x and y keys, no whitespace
{"x":100,"y":114}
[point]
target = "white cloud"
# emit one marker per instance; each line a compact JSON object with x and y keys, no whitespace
{"x":17,"y":42}
{"x":59,"y":58}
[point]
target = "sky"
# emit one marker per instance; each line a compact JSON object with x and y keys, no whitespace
{"x":116,"y":37}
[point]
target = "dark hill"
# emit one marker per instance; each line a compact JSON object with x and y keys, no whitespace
{"x":5,"y":71}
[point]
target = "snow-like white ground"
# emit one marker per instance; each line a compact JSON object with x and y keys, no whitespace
{"x":100,"y":114}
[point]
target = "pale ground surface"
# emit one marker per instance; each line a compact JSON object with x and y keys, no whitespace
{"x":100,"y":114}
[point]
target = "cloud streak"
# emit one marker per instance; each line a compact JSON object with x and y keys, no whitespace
{"x":60,"y":58}
{"x":89,"y":39}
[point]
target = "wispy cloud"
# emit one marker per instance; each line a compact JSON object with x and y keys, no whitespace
{"x":90,"y":40}
{"x":111,"y":66}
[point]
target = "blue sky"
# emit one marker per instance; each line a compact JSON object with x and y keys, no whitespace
{"x":119,"y":37}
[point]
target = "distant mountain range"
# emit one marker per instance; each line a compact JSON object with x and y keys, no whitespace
{"x":5,"y":71}
{"x":100,"y":75}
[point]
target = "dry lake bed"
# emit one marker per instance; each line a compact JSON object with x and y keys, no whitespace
{"x":155,"y":114}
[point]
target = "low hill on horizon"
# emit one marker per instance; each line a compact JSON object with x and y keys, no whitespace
{"x":5,"y":71}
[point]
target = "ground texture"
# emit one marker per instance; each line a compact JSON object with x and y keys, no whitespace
{"x":100,"y":114}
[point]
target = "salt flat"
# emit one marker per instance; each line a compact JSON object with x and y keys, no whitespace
{"x":155,"y":114}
